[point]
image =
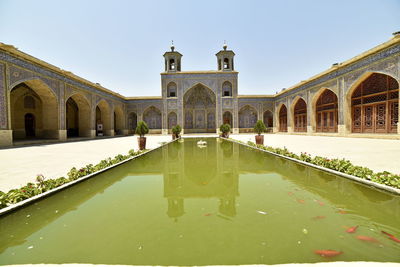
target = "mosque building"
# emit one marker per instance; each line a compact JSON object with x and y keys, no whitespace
{"x":40,"y":102}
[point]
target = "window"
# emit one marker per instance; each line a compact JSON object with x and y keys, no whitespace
{"x":171,"y":90}
{"x":226,"y":63}
{"x":226,"y":89}
{"x":172,"y":64}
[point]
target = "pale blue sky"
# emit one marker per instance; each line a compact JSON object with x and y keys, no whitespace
{"x":120,"y":43}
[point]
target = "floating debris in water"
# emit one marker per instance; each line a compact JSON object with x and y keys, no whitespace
{"x":30,"y":247}
{"x":41,"y":237}
{"x":305,"y":231}
{"x":262,"y":212}
{"x":299,"y":242}
{"x":140,"y":247}
{"x":180,"y":236}
{"x":27,"y":216}
{"x":264,"y":243}
{"x":56,"y":211}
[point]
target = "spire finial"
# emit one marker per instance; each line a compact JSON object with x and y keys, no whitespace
{"x":225,"y":45}
{"x":172,"y":46}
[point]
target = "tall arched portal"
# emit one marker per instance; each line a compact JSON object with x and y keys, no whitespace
{"x":375,"y":105}
{"x":327,"y":112}
{"x":152,"y":117}
{"x":283,"y":119}
{"x":34,"y":111}
{"x":77,"y":116}
{"x":247,"y":117}
{"x":103,"y":117}
{"x":227,"y":118}
{"x":118,"y":121}
{"x":199,"y":109}
{"x":132,"y":122}
{"x":300,"y":116}
{"x":268,"y":119}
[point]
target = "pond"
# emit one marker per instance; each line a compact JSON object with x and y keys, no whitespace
{"x":223,"y":203}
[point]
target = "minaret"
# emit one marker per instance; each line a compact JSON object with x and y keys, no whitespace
{"x":225,"y":59}
{"x":172,"y":60}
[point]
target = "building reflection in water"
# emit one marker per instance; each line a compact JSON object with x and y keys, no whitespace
{"x":194,"y":172}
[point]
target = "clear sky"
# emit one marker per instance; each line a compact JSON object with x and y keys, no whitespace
{"x":120,"y":43}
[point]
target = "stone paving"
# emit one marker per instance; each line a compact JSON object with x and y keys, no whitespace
{"x":20,"y":165}
{"x":376,"y":154}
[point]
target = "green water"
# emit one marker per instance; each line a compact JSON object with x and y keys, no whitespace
{"x":185,"y":205}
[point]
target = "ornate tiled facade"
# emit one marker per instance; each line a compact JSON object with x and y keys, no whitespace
{"x":199,"y":101}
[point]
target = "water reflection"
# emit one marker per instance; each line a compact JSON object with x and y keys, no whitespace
{"x":207,"y":172}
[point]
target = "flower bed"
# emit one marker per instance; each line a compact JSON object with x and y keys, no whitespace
{"x":340,"y":165}
{"x":43,"y":185}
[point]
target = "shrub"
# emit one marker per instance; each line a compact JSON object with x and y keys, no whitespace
{"x":142,"y":129}
{"x":259,"y":127}
{"x":225,"y":129}
{"x":176,"y":130}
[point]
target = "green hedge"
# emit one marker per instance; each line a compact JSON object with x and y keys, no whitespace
{"x":341,"y":165}
{"x":43,"y":185}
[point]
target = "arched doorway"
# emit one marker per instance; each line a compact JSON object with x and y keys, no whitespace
{"x":72,"y":118}
{"x":30,"y":125}
{"x":375,"y":105}
{"x":103,"y":117}
{"x":77,"y":116}
{"x":300,"y":116}
{"x":152,"y":117}
{"x":34,"y":111}
{"x":227,"y":118}
{"x":327,"y":112}
{"x":172,"y":120}
{"x":268,"y":119}
{"x":247,"y":118}
{"x":132,"y":122}
{"x":283,"y":119}
{"x":199,"y":109}
{"x":118,"y":121}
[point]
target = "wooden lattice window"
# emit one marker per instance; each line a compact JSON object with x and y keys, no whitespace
{"x":327,"y":112}
{"x":300,"y":116}
{"x":375,"y":105}
{"x":283,"y":119}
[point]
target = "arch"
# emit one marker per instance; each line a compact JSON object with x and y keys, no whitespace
{"x":226,"y":89}
{"x":300,"y":115}
{"x":132,"y":122}
{"x":373,"y":104}
{"x":226,"y":63}
{"x":199,"y":104}
{"x":325,"y":110}
{"x":36,"y":98}
{"x":77,"y":116}
{"x":152,"y":117}
{"x":172,"y":64}
{"x":247,"y":117}
{"x":172,"y":120}
{"x":283,"y":118}
{"x":103,"y":117}
{"x":119,"y":124}
{"x":227,"y":118}
{"x":268,"y":119}
{"x":172,"y":90}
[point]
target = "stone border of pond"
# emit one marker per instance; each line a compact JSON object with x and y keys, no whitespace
{"x":375,"y":185}
{"x":30,"y":200}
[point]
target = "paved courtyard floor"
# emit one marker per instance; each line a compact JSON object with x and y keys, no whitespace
{"x":376,"y":154}
{"x":20,"y":165}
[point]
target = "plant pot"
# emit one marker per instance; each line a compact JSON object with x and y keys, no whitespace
{"x":142,"y":143}
{"x":260,"y":139}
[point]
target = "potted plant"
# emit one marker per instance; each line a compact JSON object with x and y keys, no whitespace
{"x":176,"y":131}
{"x":225,"y":129}
{"x":141,"y":130}
{"x":260,"y":128}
